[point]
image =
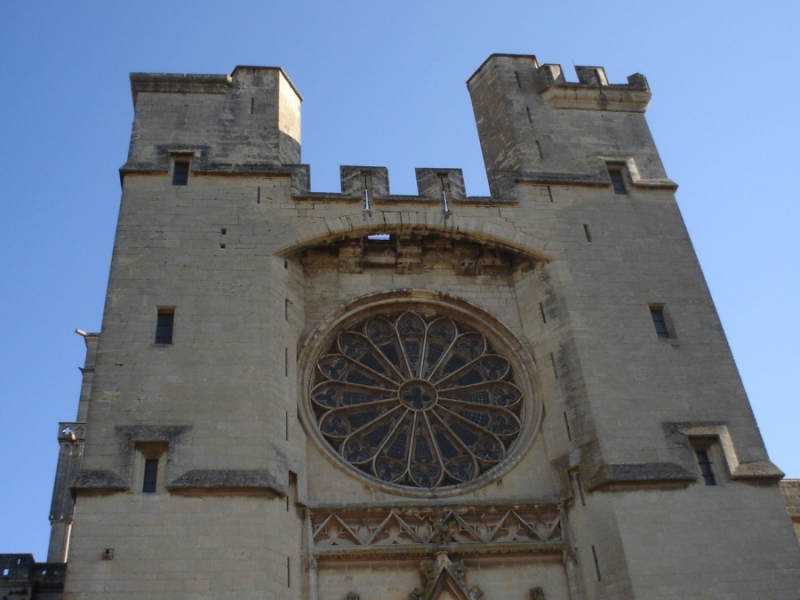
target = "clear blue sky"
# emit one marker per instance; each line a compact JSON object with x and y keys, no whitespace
{"x":383,"y":83}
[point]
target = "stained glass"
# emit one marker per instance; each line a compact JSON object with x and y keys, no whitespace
{"x":416,"y":401}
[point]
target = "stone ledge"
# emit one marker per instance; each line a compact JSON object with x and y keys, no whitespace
{"x":228,"y":479}
{"x":655,"y":184}
{"x":592,"y":180}
{"x":760,"y":469}
{"x":638,"y":474}
{"x":200,"y":167}
{"x":612,"y":98}
{"x":101,"y":480}
{"x":553,"y":178}
{"x":178,"y":83}
{"x":151,"y":433}
{"x":405,"y":552}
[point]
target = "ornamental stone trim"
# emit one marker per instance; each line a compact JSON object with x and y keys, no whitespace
{"x":419,"y":394}
{"x":345,"y":531}
{"x":415,"y":399}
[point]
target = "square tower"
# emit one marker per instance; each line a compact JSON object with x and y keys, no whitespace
{"x":307,"y":395}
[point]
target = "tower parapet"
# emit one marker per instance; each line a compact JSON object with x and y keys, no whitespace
{"x":535,"y":127}
{"x":248,"y":121}
{"x":593,"y":92}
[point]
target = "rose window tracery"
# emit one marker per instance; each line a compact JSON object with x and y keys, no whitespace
{"x":414,"y":400}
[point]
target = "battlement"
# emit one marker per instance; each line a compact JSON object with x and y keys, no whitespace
{"x":592,"y":91}
{"x":246,"y":121}
{"x":21,"y":576}
{"x":188,"y":83}
{"x":535,"y":126}
{"x":367,"y":184}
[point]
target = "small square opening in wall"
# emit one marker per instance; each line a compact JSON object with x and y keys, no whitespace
{"x":379,"y":237}
{"x":616,"y":172}
{"x":180,"y":172}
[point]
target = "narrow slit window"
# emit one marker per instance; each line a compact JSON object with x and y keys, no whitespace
{"x":577,"y":485}
{"x":596,"y":564}
{"x":553,"y":362}
{"x":704,"y":462}
{"x":704,"y":449}
{"x":660,"y":322}
{"x":180,"y":172}
{"x":615,"y":173}
{"x":150,"y":479}
{"x":165,"y":325}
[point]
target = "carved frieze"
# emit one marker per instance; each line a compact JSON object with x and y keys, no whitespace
{"x":417,"y":530}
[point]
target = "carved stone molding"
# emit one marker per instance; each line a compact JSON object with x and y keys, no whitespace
{"x":442,"y":574}
{"x":422,"y":530}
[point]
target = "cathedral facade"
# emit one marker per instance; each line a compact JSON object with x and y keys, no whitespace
{"x":329,"y":396}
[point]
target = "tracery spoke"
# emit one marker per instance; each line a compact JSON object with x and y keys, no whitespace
{"x":341,"y":422}
{"x":466,"y":348}
{"x":439,"y":338}
{"x":501,"y":422}
{"x":364,"y":443}
{"x":486,"y":446}
{"x":359,"y":348}
{"x":332,"y":394}
{"x":383,"y":335}
{"x":337,"y":367}
{"x":493,"y":393}
{"x":395,"y":451}
{"x":456,"y":455}
{"x":489,"y":367}
{"x":410,"y":329}
{"x":425,"y":466}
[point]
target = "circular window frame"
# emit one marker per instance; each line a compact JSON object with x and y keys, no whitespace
{"x":501,"y":338}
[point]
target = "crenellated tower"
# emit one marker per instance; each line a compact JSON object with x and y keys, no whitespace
{"x":316,"y":395}
{"x":535,"y":127}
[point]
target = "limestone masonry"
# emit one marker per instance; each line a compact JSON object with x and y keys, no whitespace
{"x":360,"y":395}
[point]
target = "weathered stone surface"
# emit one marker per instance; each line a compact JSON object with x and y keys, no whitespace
{"x":227,"y":479}
{"x":98,"y":479}
{"x":204,"y":464}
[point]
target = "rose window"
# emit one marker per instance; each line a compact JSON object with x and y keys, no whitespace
{"x":416,"y":401}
